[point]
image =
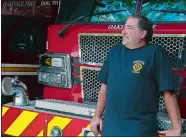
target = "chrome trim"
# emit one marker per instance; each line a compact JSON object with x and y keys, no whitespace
{"x":67,"y":107}
{"x":169,"y":35}
{"x":56,"y":132}
{"x":91,"y":63}
{"x":59,"y":70}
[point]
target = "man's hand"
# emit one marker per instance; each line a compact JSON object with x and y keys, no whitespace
{"x":96,"y":125}
{"x":172,"y":132}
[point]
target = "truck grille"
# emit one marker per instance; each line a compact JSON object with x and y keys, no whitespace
{"x":93,"y":48}
{"x":90,"y":85}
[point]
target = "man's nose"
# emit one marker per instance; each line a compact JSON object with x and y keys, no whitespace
{"x":123,"y":31}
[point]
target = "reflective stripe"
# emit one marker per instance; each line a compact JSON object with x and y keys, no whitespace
{"x":20,"y":65}
{"x":19,"y":69}
{"x":4,"y":110}
{"x":20,"y":124}
{"x":19,"y":73}
{"x":40,"y":134}
{"x":61,"y":122}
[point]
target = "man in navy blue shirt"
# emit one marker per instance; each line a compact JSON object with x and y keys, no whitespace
{"x":133,"y":76}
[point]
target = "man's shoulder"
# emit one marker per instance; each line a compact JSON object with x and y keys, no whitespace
{"x":156,"y":46}
{"x":117,"y":46}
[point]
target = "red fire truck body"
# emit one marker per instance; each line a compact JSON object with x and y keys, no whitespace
{"x":70,"y":45}
{"x":68,"y":71}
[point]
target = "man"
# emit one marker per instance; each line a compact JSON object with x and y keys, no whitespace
{"x":133,"y":76}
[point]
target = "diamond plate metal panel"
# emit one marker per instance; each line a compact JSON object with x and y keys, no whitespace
{"x":93,"y":48}
{"x":66,"y":106}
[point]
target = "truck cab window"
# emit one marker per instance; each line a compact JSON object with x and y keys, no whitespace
{"x":112,"y":5}
{"x":72,"y":9}
{"x":164,"y":11}
{"x":69,"y":10}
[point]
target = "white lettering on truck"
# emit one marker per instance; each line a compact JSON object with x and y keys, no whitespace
{"x":121,"y":27}
{"x":116,"y":27}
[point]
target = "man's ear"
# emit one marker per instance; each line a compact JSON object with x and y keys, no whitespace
{"x":143,"y":34}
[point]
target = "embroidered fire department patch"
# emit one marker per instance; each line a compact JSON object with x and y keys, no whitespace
{"x":137,"y":66}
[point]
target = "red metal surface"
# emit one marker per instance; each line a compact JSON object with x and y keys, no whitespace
{"x":182,"y":100}
{"x":42,"y":122}
{"x":8,"y":118}
{"x":74,"y":127}
{"x":73,"y":94}
{"x":182,"y":103}
{"x":36,"y":125}
{"x":69,"y":44}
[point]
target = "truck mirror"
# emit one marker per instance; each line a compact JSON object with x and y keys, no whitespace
{"x":7,"y":85}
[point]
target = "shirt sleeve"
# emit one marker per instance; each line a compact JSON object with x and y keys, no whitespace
{"x":103,"y":74}
{"x":164,"y":75}
{"x":184,"y":56}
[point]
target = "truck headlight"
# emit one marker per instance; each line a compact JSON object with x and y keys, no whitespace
{"x":55,"y":70}
{"x":44,"y":77}
{"x":58,"y":62}
{"x":55,"y":78}
{"x":58,"y":78}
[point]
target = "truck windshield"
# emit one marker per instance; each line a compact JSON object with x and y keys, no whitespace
{"x":71,"y":9}
{"x":164,"y":10}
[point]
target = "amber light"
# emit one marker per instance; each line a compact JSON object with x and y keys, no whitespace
{"x":161,"y":134}
{"x":45,"y":61}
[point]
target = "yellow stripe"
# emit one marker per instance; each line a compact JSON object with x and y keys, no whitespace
{"x":81,"y":134}
{"x":61,"y":122}
{"x":18,"y":69}
{"x":4,"y":110}
{"x":40,"y":134}
{"x":19,"y":125}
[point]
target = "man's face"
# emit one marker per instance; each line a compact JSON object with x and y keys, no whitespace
{"x":131,"y":33}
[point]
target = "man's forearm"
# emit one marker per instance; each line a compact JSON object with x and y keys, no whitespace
{"x":101,"y":101}
{"x":173,"y":109}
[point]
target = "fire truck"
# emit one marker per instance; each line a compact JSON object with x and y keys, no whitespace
{"x":76,"y":47}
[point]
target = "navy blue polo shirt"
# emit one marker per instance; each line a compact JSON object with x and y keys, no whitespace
{"x":134,"y":79}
